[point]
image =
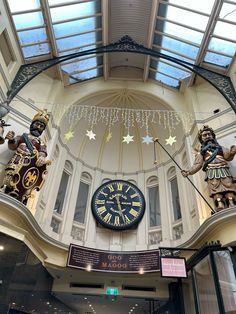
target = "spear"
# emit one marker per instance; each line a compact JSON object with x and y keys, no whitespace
{"x":156,"y":140}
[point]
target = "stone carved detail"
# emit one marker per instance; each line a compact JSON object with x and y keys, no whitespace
{"x":77,"y":233}
{"x":55,"y":224}
{"x":177,"y":231}
{"x":155,"y":237}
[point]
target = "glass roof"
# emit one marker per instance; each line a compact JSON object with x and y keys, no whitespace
{"x":199,"y":32}
{"x":183,"y":28}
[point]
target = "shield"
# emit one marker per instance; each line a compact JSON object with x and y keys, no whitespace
{"x":24,"y":178}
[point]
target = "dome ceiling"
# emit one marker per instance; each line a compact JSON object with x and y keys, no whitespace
{"x":112,"y":116}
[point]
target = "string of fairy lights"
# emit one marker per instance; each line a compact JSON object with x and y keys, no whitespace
{"x":130,"y":118}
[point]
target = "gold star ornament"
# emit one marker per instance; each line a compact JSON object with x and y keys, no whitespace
{"x":109,"y":136}
{"x":69,"y":135}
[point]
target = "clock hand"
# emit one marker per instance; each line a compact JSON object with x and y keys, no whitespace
{"x":119,"y":207}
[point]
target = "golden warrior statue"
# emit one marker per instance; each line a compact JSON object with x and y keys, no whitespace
{"x":27,"y":169}
{"x":213,"y":158}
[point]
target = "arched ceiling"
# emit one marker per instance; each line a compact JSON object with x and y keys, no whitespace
{"x":111,"y":116}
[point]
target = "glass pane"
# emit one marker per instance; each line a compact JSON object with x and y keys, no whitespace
{"x":219,"y":45}
{"x":77,"y":26}
{"x":28,"y":20}
{"x":80,"y":40}
{"x":174,"y":55}
{"x":227,"y":280}
{"x":74,"y":11}
{"x":17,"y":6}
{"x":179,"y":31}
{"x":81,"y":202}
{"x":200,"y":5}
{"x":61,"y":193}
{"x":205,"y":287}
{"x":168,"y":69}
{"x":175,"y":45}
{"x":175,"y":199}
{"x":37,"y":50}
{"x":217,"y":59}
{"x":82,"y":65}
{"x":184,"y":17}
{"x":32,"y":36}
{"x":154,"y":206}
{"x":85,"y":75}
{"x":228,"y":12}
{"x":164,"y":79}
{"x":89,"y":47}
{"x":225,"y":29}
{"x":188,"y":294}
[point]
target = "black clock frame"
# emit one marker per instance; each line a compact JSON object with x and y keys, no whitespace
{"x":135,"y":220}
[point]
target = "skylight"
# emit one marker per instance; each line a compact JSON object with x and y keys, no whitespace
{"x":74,"y":26}
{"x":183,"y":27}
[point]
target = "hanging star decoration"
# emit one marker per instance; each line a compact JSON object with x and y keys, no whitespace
{"x":127,"y":139}
{"x":109,"y":136}
{"x":90,"y":134}
{"x":69,"y":135}
{"x":171,"y":140}
{"x":147,"y":139}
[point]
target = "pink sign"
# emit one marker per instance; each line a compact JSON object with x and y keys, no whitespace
{"x":173,"y":267}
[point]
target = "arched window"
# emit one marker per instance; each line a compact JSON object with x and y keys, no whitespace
{"x":63,"y":187}
{"x":174,"y":194}
{"x":82,"y":197}
{"x":154,"y":202}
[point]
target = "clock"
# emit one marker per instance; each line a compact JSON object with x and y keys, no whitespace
{"x":118,"y":205}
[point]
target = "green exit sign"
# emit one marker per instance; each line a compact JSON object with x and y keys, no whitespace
{"x":112,"y":291}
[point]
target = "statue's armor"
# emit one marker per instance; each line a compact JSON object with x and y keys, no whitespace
{"x":218,"y":175}
{"x":217,"y":168}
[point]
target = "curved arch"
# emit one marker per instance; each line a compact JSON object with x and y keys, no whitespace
{"x":126,"y":44}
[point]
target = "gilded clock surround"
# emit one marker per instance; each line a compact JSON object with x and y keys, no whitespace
{"x":118,"y":205}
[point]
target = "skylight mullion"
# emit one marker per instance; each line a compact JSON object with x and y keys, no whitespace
{"x":226,"y":21}
{"x":79,"y":47}
{"x":82,"y":58}
{"x":35,"y":43}
{"x":161,"y":49}
{"x":184,"y":8}
{"x":69,"y":3}
{"x":178,"y":39}
{"x":162,"y":80}
{"x":164,"y":73}
{"x":171,"y":64}
{"x":180,"y":24}
{"x":85,"y":70}
{"x":77,"y":18}
{"x":223,"y":38}
{"x":30,"y":28}
{"x":81,"y":33}
{"x":230,"y":2}
{"x":220,"y":53}
{"x":26,"y":11}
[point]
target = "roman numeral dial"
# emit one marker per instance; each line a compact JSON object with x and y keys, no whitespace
{"x":118,"y":205}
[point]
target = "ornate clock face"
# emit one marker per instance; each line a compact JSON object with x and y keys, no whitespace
{"x":118,"y":205}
